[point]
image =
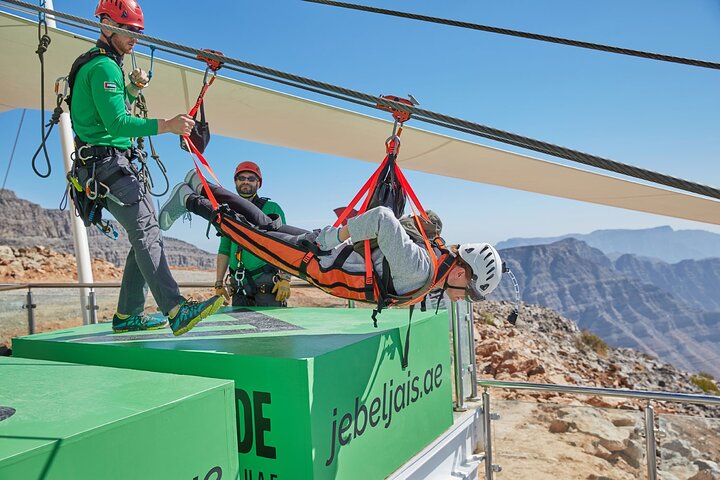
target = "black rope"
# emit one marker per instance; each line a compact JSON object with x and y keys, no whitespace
{"x":141,"y":111}
{"x":531,"y":36}
{"x":43,"y":43}
{"x":419,"y":113}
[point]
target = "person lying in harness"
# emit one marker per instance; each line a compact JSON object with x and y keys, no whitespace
{"x":404,"y":271}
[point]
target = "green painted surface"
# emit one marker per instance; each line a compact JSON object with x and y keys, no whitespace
{"x":87,"y":422}
{"x":320,"y":392}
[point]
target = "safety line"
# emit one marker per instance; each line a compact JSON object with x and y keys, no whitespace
{"x":532,"y":36}
{"x":12,"y":154}
{"x":419,"y":113}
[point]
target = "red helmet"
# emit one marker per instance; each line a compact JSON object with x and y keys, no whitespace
{"x":249,"y":167}
{"x":124,"y":12}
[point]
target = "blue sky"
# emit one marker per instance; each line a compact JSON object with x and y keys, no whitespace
{"x":656,"y":115}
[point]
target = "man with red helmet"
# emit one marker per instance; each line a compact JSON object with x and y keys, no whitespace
{"x":100,"y":105}
{"x":253,"y":282}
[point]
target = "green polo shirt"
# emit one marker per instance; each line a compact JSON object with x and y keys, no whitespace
{"x":98,"y":109}
{"x":249,"y":261}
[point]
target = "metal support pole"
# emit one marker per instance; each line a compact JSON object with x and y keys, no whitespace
{"x":50,"y":19}
{"x":487,"y":433}
{"x":30,"y":306}
{"x":457,"y":359}
{"x":650,"y":448}
{"x":92,"y":307}
{"x":82,"y":250}
{"x":472,"y":366}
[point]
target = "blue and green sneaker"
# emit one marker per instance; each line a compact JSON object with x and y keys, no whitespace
{"x":135,"y":323}
{"x":191,"y":312}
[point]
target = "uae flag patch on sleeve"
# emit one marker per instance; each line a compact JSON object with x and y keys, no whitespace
{"x":110,"y":86}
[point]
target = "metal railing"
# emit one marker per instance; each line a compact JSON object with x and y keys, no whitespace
{"x":91,"y":303}
{"x":649,"y":412}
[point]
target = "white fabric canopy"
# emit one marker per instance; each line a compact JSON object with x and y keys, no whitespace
{"x":241,"y":110}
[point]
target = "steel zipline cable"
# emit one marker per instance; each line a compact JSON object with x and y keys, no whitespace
{"x":528,"y":35}
{"x":372,"y":101}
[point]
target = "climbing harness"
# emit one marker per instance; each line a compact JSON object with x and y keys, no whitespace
{"x":89,"y":195}
{"x":389,"y":187}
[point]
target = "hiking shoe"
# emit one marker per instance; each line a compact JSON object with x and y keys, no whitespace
{"x":191,"y":312}
{"x":193,"y":179}
{"x":136,"y":323}
{"x":174,"y":207}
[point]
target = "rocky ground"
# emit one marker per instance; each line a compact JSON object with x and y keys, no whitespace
{"x":586,"y":437}
{"x":541,"y":435}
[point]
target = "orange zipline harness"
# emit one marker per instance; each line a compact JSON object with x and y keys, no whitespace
{"x":302,"y":260}
{"x":375,"y":288}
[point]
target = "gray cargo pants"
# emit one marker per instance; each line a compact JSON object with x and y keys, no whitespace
{"x":146,"y":265}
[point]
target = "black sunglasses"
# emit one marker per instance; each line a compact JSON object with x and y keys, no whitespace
{"x":249,"y":178}
{"x":129,"y":28}
{"x":132,"y":28}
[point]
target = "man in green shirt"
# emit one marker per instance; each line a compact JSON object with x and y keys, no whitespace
{"x":100,"y":110}
{"x":253,"y":282}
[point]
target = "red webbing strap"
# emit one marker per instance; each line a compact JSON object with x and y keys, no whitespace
{"x":369,"y":185}
{"x":196,"y":152}
{"x":370,"y":286}
{"x":430,"y":250}
{"x":201,"y":97}
{"x":410,"y":192}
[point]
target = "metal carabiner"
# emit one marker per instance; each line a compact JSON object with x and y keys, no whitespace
{"x":66,"y":89}
{"x":392,"y":144}
{"x":240,"y":276}
{"x":135,"y":67}
{"x":91,"y":194}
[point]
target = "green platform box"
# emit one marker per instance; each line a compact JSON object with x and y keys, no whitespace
{"x":62,"y":421}
{"x":320,"y":393}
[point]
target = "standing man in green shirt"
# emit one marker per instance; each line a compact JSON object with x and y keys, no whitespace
{"x":253,"y":282}
{"x":100,"y":110}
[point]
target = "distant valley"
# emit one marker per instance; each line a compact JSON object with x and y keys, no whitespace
{"x":669,"y":310}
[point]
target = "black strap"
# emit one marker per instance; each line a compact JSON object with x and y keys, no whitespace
{"x":267,"y":268}
{"x":406,"y":351}
{"x":97,"y":152}
{"x":342,"y":256}
{"x":260,"y":201}
{"x":302,"y":269}
{"x":102,"y":48}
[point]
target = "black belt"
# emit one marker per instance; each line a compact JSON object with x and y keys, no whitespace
{"x":86,"y":152}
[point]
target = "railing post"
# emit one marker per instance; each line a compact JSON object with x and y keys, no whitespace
{"x":457,"y":359}
{"x":490,"y":469}
{"x":472,"y":367}
{"x":30,"y":306}
{"x":92,"y":307}
{"x":650,"y":449}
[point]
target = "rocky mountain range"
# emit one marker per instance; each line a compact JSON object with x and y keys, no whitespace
{"x":670,"y":311}
{"x":663,"y":243}
{"x":26,"y":224}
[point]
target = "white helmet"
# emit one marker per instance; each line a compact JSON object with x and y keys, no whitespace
{"x":487,"y":268}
